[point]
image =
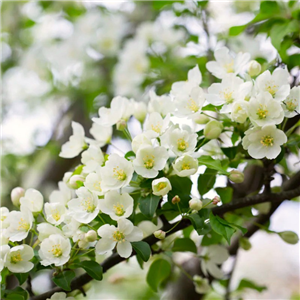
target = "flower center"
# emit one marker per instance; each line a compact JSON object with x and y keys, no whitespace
{"x":267,"y":141}
{"x":161,"y":186}
{"x":56,"y":250}
{"x":262,"y":112}
{"x":272,"y":88}
{"x":119,"y":209}
{"x":192,"y":105}
{"x":55,"y":215}
{"x":156,"y":128}
{"x":16,"y":257}
{"x":88,"y":205}
{"x":149,"y":162}
{"x":185,"y":166}
{"x":23,"y":225}
{"x":229,"y":67}
{"x":119,"y":236}
{"x":97,"y":186}
{"x":182,"y":145}
{"x":291,"y":104}
{"x":119,"y":173}
{"x":227,"y":95}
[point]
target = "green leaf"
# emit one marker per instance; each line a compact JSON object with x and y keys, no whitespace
{"x":225,"y":193}
{"x":181,"y":186}
{"x":148,"y":205}
{"x":63,"y":280}
{"x":22,"y":277}
{"x":236,"y":30}
{"x":78,"y":170}
{"x":198,"y":221}
{"x":230,"y":152}
{"x":245,"y":283}
{"x":129,"y":154}
{"x":184,"y":245}
{"x":158,"y":272}
{"x":92,"y":268}
{"x":212,"y":164}
{"x":206,"y":181}
{"x":211,"y":238}
{"x":16,"y":294}
{"x":142,"y":250}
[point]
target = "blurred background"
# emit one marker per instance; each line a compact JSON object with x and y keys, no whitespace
{"x":62,"y":60}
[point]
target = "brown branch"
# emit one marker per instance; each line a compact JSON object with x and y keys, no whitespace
{"x":115,"y":259}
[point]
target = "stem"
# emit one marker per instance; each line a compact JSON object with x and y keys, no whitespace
{"x":183,"y":271}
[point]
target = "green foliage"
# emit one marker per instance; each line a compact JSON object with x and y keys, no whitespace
{"x":16,"y":294}
{"x":148,"y":205}
{"x":92,"y":268}
{"x":22,"y":277}
{"x":184,"y":245}
{"x":212,"y":164}
{"x":247,"y":284}
{"x":181,"y":186}
{"x":225,"y":193}
{"x":64,"y":279}
{"x":159,"y":270}
{"x":198,"y":221}
{"x":206,"y":181}
{"x":142,"y":250}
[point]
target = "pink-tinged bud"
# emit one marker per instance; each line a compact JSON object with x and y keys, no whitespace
{"x":213,"y":129}
{"x":91,"y":236}
{"x":236,"y":176}
{"x":216,"y":200}
{"x":74,"y":180}
{"x":121,"y":125}
{"x":195,"y":204}
{"x":16,"y":194}
{"x":159,"y":234}
{"x":176,"y":199}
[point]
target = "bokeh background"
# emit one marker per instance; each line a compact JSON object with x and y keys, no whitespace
{"x":62,"y":60}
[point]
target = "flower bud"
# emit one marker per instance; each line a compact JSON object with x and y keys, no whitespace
{"x":254,"y":68}
{"x":236,"y":176}
{"x":140,"y":111}
{"x":195,"y":204}
{"x":91,"y":236}
{"x":159,"y":234}
{"x":67,"y":177}
{"x":16,"y":194}
{"x":176,"y":199}
{"x":213,"y":129}
{"x":121,"y":125}
{"x":216,"y":200}
{"x":289,"y":237}
{"x":245,"y":243}
{"x":201,"y":119}
{"x":201,"y":284}
{"x":74,"y":179}
{"x":82,"y":244}
{"x":161,"y":186}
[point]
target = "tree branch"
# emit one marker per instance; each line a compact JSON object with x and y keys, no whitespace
{"x":115,"y":259}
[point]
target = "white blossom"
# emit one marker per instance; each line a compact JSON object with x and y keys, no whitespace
{"x":92,"y":158}
{"x":94,"y":182}
{"x":161,"y":186}
{"x":101,"y":133}
{"x":291,"y":105}
{"x":46,"y":229}
{"x":60,"y":296}
{"x":63,"y":195}
{"x":32,"y":200}
{"x":156,"y":123}
{"x":55,"y":212}
{"x":161,"y":104}
{"x":185,"y":166}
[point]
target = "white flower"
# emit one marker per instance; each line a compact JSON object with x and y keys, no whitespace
{"x":120,"y":236}
{"x":160,"y":104}
{"x":148,"y":227}
{"x":16,"y":195}
{"x":201,"y":284}
{"x":150,"y":160}
{"x":102,"y":134}
{"x":142,"y":139}
{"x":161,"y":186}
{"x":4,"y":212}
{"x":183,"y":88}
{"x":46,"y":229}
{"x":55,"y":212}
{"x":116,"y":205}
{"x":55,"y":250}
{"x":291,"y":105}
{"x":264,"y":110}
{"x":277,"y":84}
{"x":225,"y":63}
{"x":32,"y":200}
{"x":118,"y":110}
{"x":63,"y":195}
{"x":116,"y":173}
{"x":93,"y":182}
{"x":181,"y":141}
{"x":85,"y":208}
{"x":211,"y":257}
{"x":17,"y":259}
{"x":71,"y":226}
{"x":156,"y":123}
{"x":185,"y":166}
{"x":195,"y":204}
{"x":239,"y":111}
{"x":140,"y":111}
{"x":20,"y":222}
{"x":231,"y":89}
{"x":92,"y":158}
{"x":75,"y":144}
{"x":264,"y":142}
{"x":60,"y":296}
{"x":3,"y":250}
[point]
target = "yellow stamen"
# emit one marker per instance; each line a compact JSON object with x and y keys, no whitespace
{"x":97,"y":186}
{"x":119,"y":173}
{"x":88,"y":205}
{"x":262,"y":112}
{"x":118,"y":236}
{"x":192,"y":105}
{"x":156,"y":128}
{"x":16,"y":257}
{"x":182,"y":145}
{"x":149,"y":161}
{"x":185,"y":166}
{"x":23,"y":225}
{"x":227,"y":95}
{"x":119,"y":209}
{"x":267,"y":141}
{"x":271,"y":88}
{"x":291,"y":104}
{"x":55,"y":215}
{"x":56,"y":250}
{"x":229,"y":67}
{"x":161,"y":186}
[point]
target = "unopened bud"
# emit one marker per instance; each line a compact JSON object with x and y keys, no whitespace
{"x":74,"y":180}
{"x":216,"y":200}
{"x":254,"y":68}
{"x":67,"y":177}
{"x":159,"y":234}
{"x":236,"y":176}
{"x":245,"y":243}
{"x":16,"y":194}
{"x":91,"y":236}
{"x":201,"y":119}
{"x":289,"y":237}
{"x":176,"y":199}
{"x":82,"y":244}
{"x":213,"y":129}
{"x":195,"y":204}
{"x":121,"y":125}
{"x":140,"y":111}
